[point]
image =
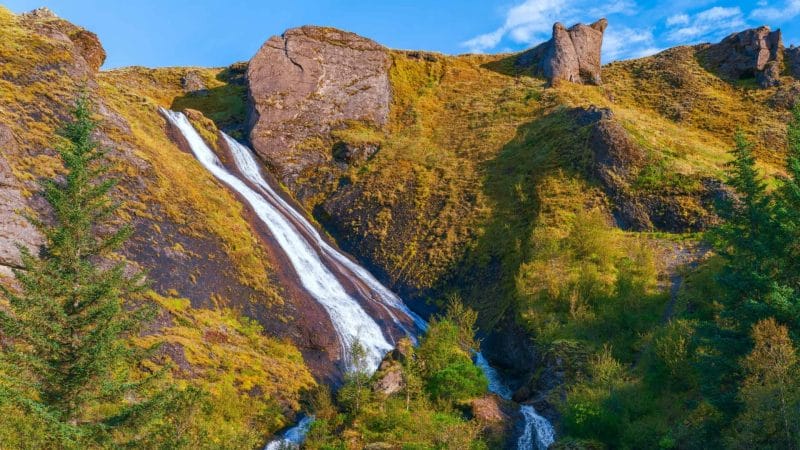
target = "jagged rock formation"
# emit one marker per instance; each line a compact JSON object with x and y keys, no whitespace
{"x":757,"y":52}
{"x":572,"y":54}
{"x":305,"y":83}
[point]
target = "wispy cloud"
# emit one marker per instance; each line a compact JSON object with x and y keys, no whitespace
{"x":628,"y":42}
{"x":715,"y":21}
{"x":788,"y":10}
{"x":530,"y":20}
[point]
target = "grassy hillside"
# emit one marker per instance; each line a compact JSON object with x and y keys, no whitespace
{"x":206,"y":265}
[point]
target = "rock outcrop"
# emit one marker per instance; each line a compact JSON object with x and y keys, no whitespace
{"x":15,"y":230}
{"x":792,"y":57}
{"x":617,"y":162}
{"x":754,"y":53}
{"x":572,"y":54}
{"x":86,"y":43}
{"x":389,"y":377}
{"x":306,"y":83}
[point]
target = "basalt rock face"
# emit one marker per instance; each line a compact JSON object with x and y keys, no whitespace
{"x":572,"y":54}
{"x":308,"y":82}
{"x":756,"y":53}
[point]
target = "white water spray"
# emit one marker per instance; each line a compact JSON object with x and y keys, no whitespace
{"x":538,"y":433}
{"x":293,"y":437}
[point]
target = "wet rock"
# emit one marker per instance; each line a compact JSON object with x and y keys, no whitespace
{"x":192,"y":82}
{"x":14,"y":228}
{"x":754,"y":53}
{"x":572,"y":54}
{"x":308,"y":81}
{"x":389,"y":377}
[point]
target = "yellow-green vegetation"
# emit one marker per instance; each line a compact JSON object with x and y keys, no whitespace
{"x":481,"y":186}
{"x":430,"y":407}
{"x":189,"y":196}
{"x":253,"y":382}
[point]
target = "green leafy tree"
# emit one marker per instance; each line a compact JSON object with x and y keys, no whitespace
{"x":770,"y":392}
{"x":356,"y":392}
{"x":66,"y":361}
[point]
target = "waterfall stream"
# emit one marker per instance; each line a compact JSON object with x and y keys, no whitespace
{"x":320,"y":268}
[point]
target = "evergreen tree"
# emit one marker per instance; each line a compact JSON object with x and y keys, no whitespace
{"x":66,"y":361}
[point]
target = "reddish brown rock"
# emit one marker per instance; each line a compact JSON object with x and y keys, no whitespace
{"x":14,"y":228}
{"x":89,"y":47}
{"x":305,"y":83}
{"x":572,"y":54}
{"x":755,"y":53}
{"x":86,"y":44}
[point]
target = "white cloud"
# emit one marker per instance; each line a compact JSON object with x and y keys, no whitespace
{"x":532,"y":20}
{"x":789,"y":10}
{"x":678,"y":19}
{"x":621,"y":42}
{"x":715,"y":21}
{"x":626,"y":7}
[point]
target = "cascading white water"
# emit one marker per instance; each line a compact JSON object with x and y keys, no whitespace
{"x":349,"y":319}
{"x":305,"y":251}
{"x":537,"y":431}
{"x":247,"y":165}
{"x":293,"y":437}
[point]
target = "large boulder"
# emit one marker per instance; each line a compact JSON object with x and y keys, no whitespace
{"x":754,"y":53}
{"x":308,"y":82}
{"x":572,"y":54}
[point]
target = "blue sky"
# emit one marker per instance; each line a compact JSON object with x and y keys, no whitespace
{"x":216,"y":33}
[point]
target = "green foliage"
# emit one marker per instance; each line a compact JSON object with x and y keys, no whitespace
{"x":438,"y":380}
{"x":68,"y":363}
{"x":770,"y":392}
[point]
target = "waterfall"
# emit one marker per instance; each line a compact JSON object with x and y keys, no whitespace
{"x":293,"y":437}
{"x":348,"y":317}
{"x":537,"y":430}
{"x":320,"y":267}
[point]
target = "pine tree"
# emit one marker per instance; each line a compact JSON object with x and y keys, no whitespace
{"x":66,"y":361}
{"x":748,"y":239}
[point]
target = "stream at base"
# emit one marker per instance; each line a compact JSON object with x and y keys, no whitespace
{"x":356,"y":302}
